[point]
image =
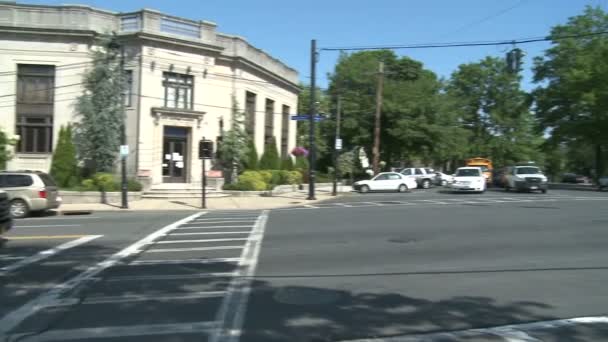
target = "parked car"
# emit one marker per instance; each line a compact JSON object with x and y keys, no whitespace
{"x":423,"y":176}
{"x":526,"y":178}
{"x":442,"y":179}
{"x":6,"y":222}
{"x":468,"y":179}
{"x":29,"y":191}
{"x":603,"y":183}
{"x":574,"y":178}
{"x":386,"y":181}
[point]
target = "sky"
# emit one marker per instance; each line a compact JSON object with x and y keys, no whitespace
{"x":285,"y":28}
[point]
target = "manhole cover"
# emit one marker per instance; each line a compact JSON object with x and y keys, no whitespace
{"x":306,"y":296}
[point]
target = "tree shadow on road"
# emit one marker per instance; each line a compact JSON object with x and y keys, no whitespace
{"x":319,"y":314}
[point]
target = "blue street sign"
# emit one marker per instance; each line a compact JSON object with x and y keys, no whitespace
{"x":306,"y":118}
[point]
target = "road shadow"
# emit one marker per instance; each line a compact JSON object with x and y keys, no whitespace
{"x":313,"y":314}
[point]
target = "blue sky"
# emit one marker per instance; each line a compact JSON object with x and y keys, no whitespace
{"x":285,"y":28}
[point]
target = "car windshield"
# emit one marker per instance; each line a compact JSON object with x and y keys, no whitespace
{"x":528,"y":170}
{"x":467,"y":173}
{"x":482,"y":167}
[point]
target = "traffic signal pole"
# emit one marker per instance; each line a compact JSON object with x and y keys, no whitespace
{"x":311,"y":120}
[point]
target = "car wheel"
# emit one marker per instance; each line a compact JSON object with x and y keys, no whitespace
{"x":444,"y":182}
{"x":426,"y":184}
{"x":364,"y":189}
{"x":544,"y":191}
{"x":402,"y":188}
{"x":19,"y":209}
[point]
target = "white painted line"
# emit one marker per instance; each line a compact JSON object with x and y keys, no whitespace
{"x":310,"y":206}
{"x":192,"y":249}
{"x":171,"y":276}
{"x":225,"y":221}
{"x":212,"y":227}
{"x":248,"y":218}
{"x":208,"y":233}
{"x":49,"y":226}
{"x":172,"y":329}
{"x":184,"y":261}
{"x":8,"y":257}
{"x":153,"y":297}
{"x":49,"y":298}
{"x":47,"y":254}
{"x":434,"y":202}
{"x":199,"y":241}
{"x":511,"y":333}
{"x":232,"y":311}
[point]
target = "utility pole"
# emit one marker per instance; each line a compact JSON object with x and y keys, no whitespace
{"x":124,"y":148}
{"x":376,"y":149}
{"x":311,"y":119}
{"x":337,"y":147}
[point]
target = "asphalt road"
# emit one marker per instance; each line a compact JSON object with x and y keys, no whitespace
{"x":419,"y":266}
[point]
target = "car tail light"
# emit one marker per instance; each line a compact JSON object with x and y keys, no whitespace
{"x":42,"y":193}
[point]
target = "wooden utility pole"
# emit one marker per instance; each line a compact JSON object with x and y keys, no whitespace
{"x":337,"y":148}
{"x":376,"y":149}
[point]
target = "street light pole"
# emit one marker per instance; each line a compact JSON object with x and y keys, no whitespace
{"x":336,"y":149}
{"x":123,"y":154}
{"x":311,"y":119}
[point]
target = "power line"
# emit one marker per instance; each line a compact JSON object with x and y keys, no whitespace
{"x":486,"y":18}
{"x":46,"y":89}
{"x":61,"y":67}
{"x":465,"y":44}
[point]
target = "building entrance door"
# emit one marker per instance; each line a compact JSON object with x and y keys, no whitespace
{"x":175,"y":155}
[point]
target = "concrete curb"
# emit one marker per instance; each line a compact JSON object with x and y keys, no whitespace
{"x":578,"y":187}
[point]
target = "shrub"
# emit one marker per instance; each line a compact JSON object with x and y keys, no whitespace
{"x":107,"y":182}
{"x":270,"y":158}
{"x":301,"y":163}
{"x":294,"y":177}
{"x":134,"y":185}
{"x":251,"y":161}
{"x":64,"y":168}
{"x":249,"y":181}
{"x":287,"y":164}
{"x":266,"y":175}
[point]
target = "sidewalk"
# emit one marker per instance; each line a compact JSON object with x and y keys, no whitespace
{"x":258,"y":202}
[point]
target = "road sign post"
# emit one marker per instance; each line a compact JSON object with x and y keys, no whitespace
{"x":205,"y":151}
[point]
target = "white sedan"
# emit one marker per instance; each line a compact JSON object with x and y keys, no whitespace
{"x":468,"y":179}
{"x":386,"y":181}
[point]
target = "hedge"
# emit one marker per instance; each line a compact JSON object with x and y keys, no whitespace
{"x":264,"y":180}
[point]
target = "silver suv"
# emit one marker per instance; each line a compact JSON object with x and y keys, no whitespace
{"x":6,"y":222}
{"x":29,"y":191}
{"x":424,"y":176}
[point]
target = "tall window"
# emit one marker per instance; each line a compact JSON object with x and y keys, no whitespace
{"x":250,"y":99}
{"x":128,"y":88}
{"x":284,"y":131}
{"x":35,"y":99}
{"x":269,"y":121}
{"x":178,"y":90}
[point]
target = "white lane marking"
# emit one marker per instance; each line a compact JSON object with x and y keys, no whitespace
{"x":192,"y":249}
{"x":49,"y":298}
{"x":120,"y":331}
{"x":511,"y":333}
{"x":154,"y":297}
{"x":212,"y":227}
{"x":76,"y":217}
{"x":435,"y":202}
{"x":208,"y":233}
{"x":171,"y":276}
{"x":232,"y":311}
{"x":184,"y":261}
{"x":9,"y":257}
{"x":198,"y":241}
{"x":238,"y":218}
{"x":47,"y":254}
{"x":225,"y":221}
{"x":49,"y":226}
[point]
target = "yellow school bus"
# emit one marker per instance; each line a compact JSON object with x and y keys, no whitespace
{"x":485,"y":164}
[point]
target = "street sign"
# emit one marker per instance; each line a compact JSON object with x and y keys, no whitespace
{"x":306,"y":118}
{"x":124,"y":150}
{"x":338,"y":144}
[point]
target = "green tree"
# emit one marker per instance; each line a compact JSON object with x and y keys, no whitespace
{"x":251,"y":160}
{"x":572,"y":100}
{"x":323,"y":130}
{"x":5,"y":154}
{"x":101,"y":118}
{"x":234,"y":148}
{"x":487,"y":100}
{"x":287,"y":164}
{"x":64,"y":166}
{"x":270,"y":158}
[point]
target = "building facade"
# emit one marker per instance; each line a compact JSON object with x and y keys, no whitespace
{"x":184,"y":80}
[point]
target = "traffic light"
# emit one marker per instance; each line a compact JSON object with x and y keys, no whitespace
{"x":514,"y":60}
{"x":205,"y":149}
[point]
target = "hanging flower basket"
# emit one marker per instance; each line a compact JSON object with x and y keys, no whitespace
{"x":299,"y":151}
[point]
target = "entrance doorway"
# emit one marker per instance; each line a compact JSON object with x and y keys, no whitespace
{"x":175,"y":154}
